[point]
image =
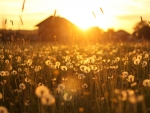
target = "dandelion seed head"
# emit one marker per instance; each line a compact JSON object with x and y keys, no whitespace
{"x":7,"y":61}
{"x":41,"y":91}
{"x":81,"y":76}
{"x":133,"y":84}
{"x":27,"y":79}
{"x":132,"y":99}
{"x":1,"y":96}
{"x":85,"y":86}
{"x":61,"y":88}
{"x":130,"y":78}
{"x":144,"y":63}
{"x":48,"y":100}
{"x":146,"y":82}
{"x":67,"y":97}
{"x":3,"y":109}
{"x":124,"y":74}
{"x":22,"y":86}
{"x":14,"y":72}
{"x":140,"y":98}
{"x":64,"y":68}
{"x":116,"y":91}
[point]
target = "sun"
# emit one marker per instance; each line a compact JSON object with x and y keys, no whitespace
{"x":81,"y":14}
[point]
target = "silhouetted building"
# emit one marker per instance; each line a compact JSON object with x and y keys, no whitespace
{"x":56,"y":29}
{"x":122,"y":35}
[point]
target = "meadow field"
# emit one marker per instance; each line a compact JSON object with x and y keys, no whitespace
{"x":74,"y":78}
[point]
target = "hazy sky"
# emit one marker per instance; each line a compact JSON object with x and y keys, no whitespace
{"x":118,"y":14}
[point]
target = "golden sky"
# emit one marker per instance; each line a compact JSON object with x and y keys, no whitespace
{"x":118,"y":14}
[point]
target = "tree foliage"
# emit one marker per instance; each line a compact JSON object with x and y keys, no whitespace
{"x":142,"y":30}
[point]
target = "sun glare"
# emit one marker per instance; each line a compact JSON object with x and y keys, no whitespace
{"x":81,"y":14}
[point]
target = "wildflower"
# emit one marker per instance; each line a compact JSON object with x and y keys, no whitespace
{"x":64,"y":68}
{"x":91,"y":59}
{"x":18,"y":59}
{"x":61,"y":87}
{"x":124,"y":95}
{"x":2,"y":73}
{"x":10,"y":56}
{"x":96,"y":71}
{"x":69,"y":65}
{"x":140,"y":98}
{"x":116,"y":91}
{"x":86,"y":69}
{"x":57,"y":64}
{"x":124,"y":74}
{"x":82,"y":67}
{"x":29,"y":62}
{"x":139,"y":57}
{"x":133,"y":84}
{"x":144,"y":63}
{"x":134,"y":58}
{"x":110,"y":77}
{"x":27,"y":80}
{"x":7,"y":61}
{"x":41,"y":91}
{"x":40,"y":84}
{"x":37,"y":68}
{"x":146,"y":83}
{"x":130,"y":78}
{"x":81,"y":76}
{"x":67,"y":97}
{"x":18,"y":90}
{"x":79,"y":57}
{"x":19,"y":70}
{"x":3,"y":82}
{"x":130,"y":92}
{"x":132,"y":99}
{"x":14,"y":72}
{"x":64,"y":79}
{"x":48,"y":100}
{"x":67,"y":59}
{"x":93,"y":67}
{"x":137,"y":61}
{"x":3,"y":109}
{"x":146,"y":55}
{"x":22,"y":86}
{"x":27,"y":102}
{"x":47,"y":62}
{"x":6,"y":73}
{"x":1,"y":96}
{"x":117,"y":59}
{"x":84,"y":86}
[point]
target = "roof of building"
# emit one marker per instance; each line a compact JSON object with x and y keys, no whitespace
{"x":56,"y":19}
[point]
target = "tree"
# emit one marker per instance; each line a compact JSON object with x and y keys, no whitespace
{"x":142,"y":30}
